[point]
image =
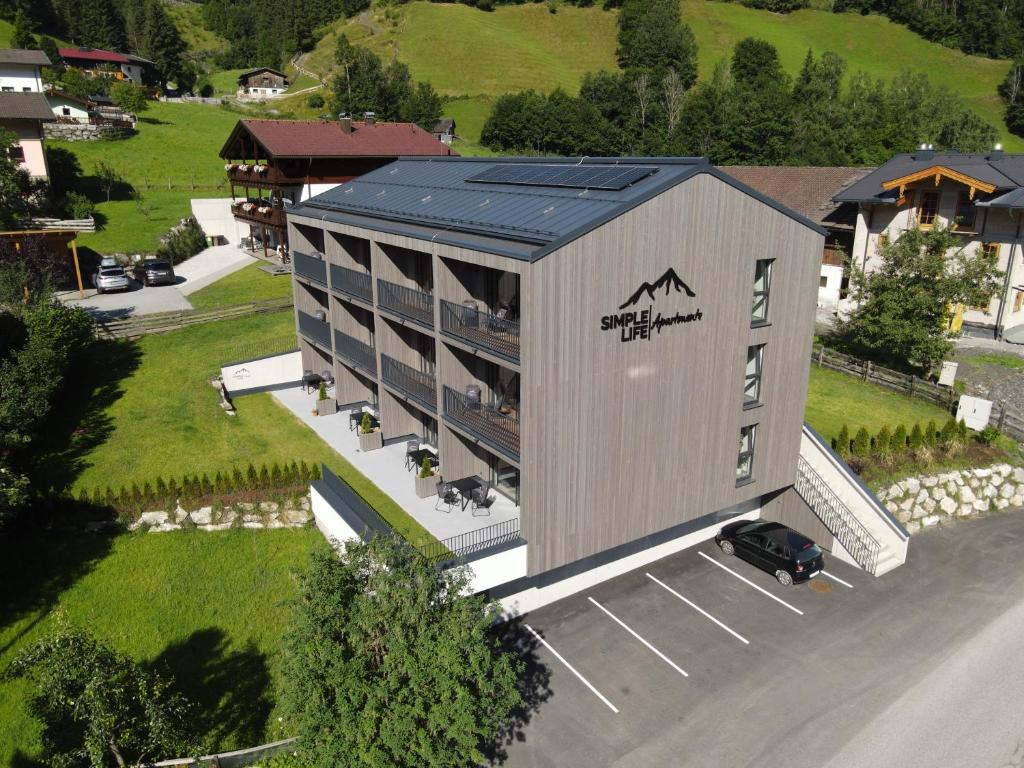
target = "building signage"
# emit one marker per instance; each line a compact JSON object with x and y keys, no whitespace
{"x":635,"y":322}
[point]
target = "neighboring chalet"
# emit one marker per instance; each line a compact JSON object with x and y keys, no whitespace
{"x":262,"y":82}
{"x":810,"y":191}
{"x":980,"y":195}
{"x":276,"y":163}
{"x":71,"y":109}
{"x":444,"y":130}
{"x":97,"y":63}
{"x":23,"y":107}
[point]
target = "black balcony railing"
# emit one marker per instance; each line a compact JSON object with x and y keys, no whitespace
{"x":418,"y":386}
{"x":481,"y":329}
{"x":409,"y":303}
{"x":352,"y":283}
{"x":315,"y":330}
{"x":484,"y":422}
{"x":309,"y":267}
{"x":358,"y":353}
{"x":472,"y":542}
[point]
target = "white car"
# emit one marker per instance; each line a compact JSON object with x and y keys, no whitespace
{"x":110,"y":279}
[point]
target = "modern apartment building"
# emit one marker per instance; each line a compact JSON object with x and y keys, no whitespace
{"x":620,"y":346}
{"x":980,"y":195}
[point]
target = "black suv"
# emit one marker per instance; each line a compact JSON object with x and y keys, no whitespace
{"x":154,"y":272}
{"x":789,"y":556}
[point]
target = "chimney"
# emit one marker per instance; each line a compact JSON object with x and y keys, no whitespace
{"x":369,"y":118}
{"x":925,"y":152}
{"x":345,"y":122}
{"x":996,"y":153}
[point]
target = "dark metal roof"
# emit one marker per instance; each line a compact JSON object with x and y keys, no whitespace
{"x":435,"y":199}
{"x":23,"y":56}
{"x":1003,"y":171}
{"x":25,"y":106}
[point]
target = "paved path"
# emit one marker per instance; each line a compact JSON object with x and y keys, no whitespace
{"x":210,"y":266}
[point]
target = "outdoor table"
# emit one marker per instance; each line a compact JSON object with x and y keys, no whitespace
{"x":416,"y":457}
{"x":465,"y":488}
{"x":357,"y":418}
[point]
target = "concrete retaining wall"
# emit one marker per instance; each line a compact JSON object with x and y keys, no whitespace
{"x":263,"y":373}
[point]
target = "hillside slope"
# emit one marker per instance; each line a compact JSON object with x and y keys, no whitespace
{"x":464,"y":51}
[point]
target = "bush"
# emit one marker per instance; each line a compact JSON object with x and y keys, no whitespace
{"x":916,"y":441}
{"x":883,"y":443}
{"x":183,"y":242}
{"x":949,"y":435}
{"x":315,"y":101}
{"x":842,"y":445}
{"x":366,"y":426}
{"x":899,"y":439}
{"x":931,"y":435}
{"x":988,"y":435}
{"x":861,"y":443}
{"x":425,"y":469}
{"x":78,"y":206}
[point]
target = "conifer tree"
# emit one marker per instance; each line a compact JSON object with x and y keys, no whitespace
{"x":862,"y":443}
{"x":23,"y":35}
{"x":843,"y":442}
{"x":899,"y":439}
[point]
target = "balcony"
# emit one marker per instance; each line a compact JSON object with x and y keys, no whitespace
{"x":486,"y":423}
{"x":352,"y":283}
{"x":316,"y":331}
{"x":358,"y":353}
{"x":416,"y":385}
{"x":259,"y":213}
{"x":407,"y":303}
{"x":481,"y":330}
{"x":254,"y":175}
{"x":309,"y":267}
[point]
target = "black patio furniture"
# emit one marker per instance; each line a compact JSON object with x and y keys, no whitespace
{"x":465,"y":487}
{"x":355,"y":418}
{"x":481,"y":499}
{"x":310,"y":381}
{"x":411,"y":447}
{"x":415,"y":459}
{"x":446,"y":495}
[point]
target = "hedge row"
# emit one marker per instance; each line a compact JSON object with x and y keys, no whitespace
{"x":277,"y":477}
{"x":888,"y":443}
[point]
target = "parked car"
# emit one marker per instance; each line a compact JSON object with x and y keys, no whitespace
{"x":786,"y":554}
{"x":108,"y":261}
{"x":154,"y":272}
{"x":110,"y":279}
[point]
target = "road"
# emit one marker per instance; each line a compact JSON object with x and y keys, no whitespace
{"x":919,"y":668}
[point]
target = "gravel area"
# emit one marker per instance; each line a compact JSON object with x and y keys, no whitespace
{"x":998,"y":383}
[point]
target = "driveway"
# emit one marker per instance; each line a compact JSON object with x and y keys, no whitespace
{"x":684,"y":663}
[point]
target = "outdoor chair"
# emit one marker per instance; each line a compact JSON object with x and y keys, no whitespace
{"x":411,"y":447}
{"x":481,"y":499}
{"x":446,"y":495}
{"x":355,"y":417}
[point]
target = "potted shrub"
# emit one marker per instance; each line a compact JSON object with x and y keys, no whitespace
{"x":426,"y":480}
{"x":325,"y":406}
{"x":370,"y":437}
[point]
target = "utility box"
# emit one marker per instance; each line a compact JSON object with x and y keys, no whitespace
{"x":975,"y":411}
{"x":948,"y":373}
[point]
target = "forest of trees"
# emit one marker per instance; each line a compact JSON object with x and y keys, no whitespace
{"x":748,"y":112}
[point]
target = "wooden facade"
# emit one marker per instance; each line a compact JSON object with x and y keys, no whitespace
{"x":615,"y":439}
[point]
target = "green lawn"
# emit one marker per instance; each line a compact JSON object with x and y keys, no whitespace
{"x":834,"y":399}
{"x":248,"y":284}
{"x":211,"y":608}
{"x":177,"y":145}
{"x":225,"y":83}
{"x":152,"y":412}
{"x":996,"y":358}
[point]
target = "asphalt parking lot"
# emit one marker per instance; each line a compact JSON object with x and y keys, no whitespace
{"x":684,"y":663}
{"x":137,"y":300}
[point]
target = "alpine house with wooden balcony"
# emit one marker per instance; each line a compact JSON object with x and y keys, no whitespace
{"x":618,"y":346}
{"x":272,"y":164}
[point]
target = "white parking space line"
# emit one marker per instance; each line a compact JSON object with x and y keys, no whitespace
{"x":572,"y":669}
{"x":658,"y":653}
{"x":836,"y":578}
{"x":700,"y":610}
{"x":748,"y":581}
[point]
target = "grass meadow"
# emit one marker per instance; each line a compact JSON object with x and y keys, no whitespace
{"x":247,"y":284}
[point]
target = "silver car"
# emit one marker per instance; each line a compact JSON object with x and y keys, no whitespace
{"x":110,"y":279}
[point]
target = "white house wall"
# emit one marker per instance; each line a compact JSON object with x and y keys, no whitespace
{"x":20,"y":78}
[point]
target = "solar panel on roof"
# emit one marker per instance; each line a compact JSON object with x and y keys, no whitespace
{"x":608,"y":177}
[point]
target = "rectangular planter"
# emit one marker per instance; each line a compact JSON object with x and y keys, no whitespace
{"x":426,"y":486}
{"x":327,"y":407}
{"x":371,"y":441}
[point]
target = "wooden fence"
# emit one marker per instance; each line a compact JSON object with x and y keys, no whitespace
{"x":1002,"y":417}
{"x":161,"y":322}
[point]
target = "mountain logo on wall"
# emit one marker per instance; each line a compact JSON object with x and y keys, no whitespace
{"x":669,"y":281}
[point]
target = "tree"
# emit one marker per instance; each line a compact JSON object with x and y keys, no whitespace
{"x":1012,"y":92}
{"x":161,"y":43}
{"x":916,"y":441}
{"x":843,"y":442}
{"x":96,"y":706}
{"x":129,"y":97}
{"x":15,"y":184}
{"x":422,"y":106}
{"x":23,"y":35}
{"x":108,"y":178}
{"x":75,"y":82}
{"x":899,"y":439}
{"x":861,"y":443}
{"x":755,"y":63}
{"x":903,"y":306}
{"x":882,"y":447}
{"x":653,"y":37}
{"x":390,"y":663}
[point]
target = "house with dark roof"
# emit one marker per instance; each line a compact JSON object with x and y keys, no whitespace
{"x":23,"y":107}
{"x":810,"y":191}
{"x":262,"y":82}
{"x":979,"y":195}
{"x":605,"y":357}
{"x":444,"y":130}
{"x":95,"y":62}
{"x":272,"y":164}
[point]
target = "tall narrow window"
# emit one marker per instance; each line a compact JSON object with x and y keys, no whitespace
{"x":745,"y":461}
{"x":762,"y":285}
{"x":1018,"y":301}
{"x":752,"y":384}
{"x":966,"y":213}
{"x":883,"y":239}
{"x":928,"y":211}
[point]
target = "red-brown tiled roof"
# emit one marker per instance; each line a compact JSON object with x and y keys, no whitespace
{"x":326,"y":138}
{"x":92,"y":54}
{"x":808,"y":190}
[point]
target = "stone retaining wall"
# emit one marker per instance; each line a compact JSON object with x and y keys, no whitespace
{"x":85,"y":131}
{"x":263,"y":514}
{"x":920,"y":502}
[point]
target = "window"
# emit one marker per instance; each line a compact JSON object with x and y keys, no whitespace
{"x":1018,"y":300}
{"x":883,"y":239}
{"x":762,"y":284}
{"x":752,"y":384}
{"x":990,"y":250}
{"x":745,"y":461}
{"x":823,"y":281}
{"x":928,"y":211}
{"x":66,"y":111}
{"x":966,"y":213}
{"x":16,"y":153}
{"x":27,"y":90}
{"x":8,"y":89}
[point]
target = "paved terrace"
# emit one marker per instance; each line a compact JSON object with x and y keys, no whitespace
{"x":385,"y":468}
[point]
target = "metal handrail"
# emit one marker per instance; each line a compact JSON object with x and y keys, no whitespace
{"x":471,"y":542}
{"x":837,"y":517}
{"x":481,"y":329}
{"x":309,"y":267}
{"x":489,"y":425}
{"x":314,"y":330}
{"x":359,"y":353}
{"x":409,"y":303}
{"x":353,"y":283}
{"x":420,"y":386}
